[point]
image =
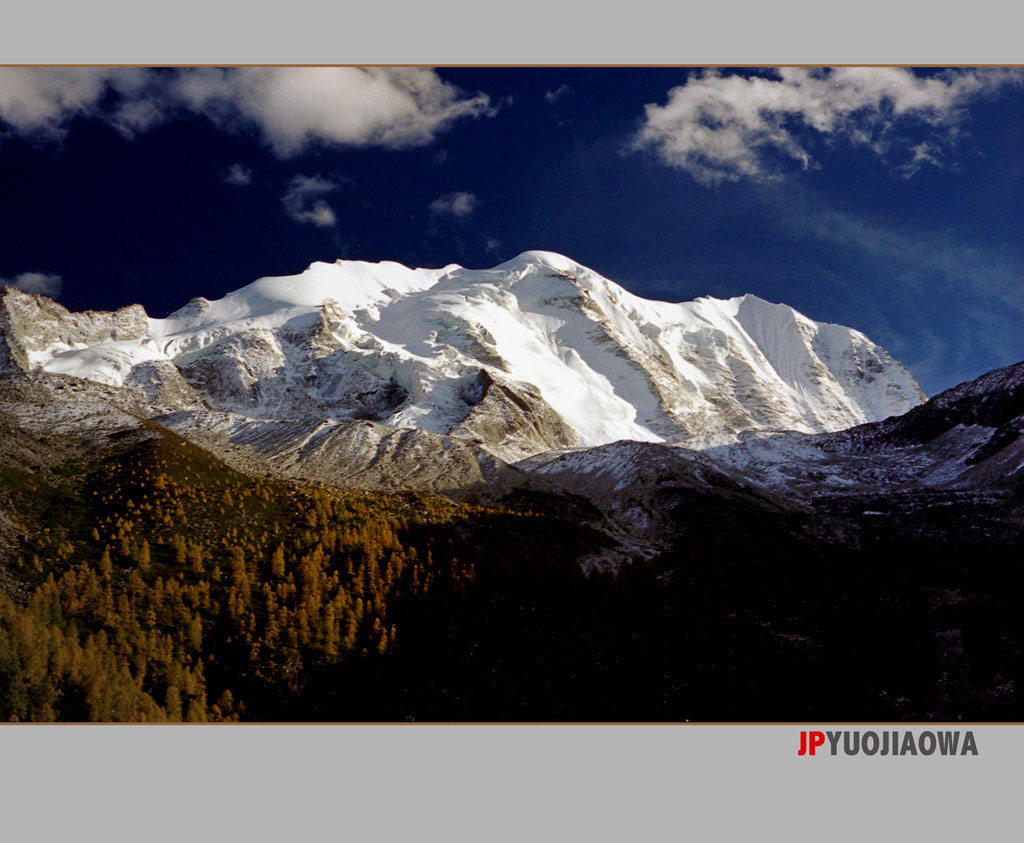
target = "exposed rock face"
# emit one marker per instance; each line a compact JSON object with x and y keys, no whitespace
{"x":12,"y":354}
{"x":163,"y":386}
{"x":512,"y":419}
{"x":40,"y":324}
{"x":234,"y":372}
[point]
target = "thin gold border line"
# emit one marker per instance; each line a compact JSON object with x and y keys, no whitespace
{"x":538,"y":66}
{"x":555,"y":723}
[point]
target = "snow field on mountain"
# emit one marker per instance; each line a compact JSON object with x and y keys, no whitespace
{"x":410,"y":344}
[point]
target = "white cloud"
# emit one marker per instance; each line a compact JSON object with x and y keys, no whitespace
{"x":296,"y":107}
{"x":132,"y":117}
{"x":238,"y":174}
{"x":925,"y":152}
{"x":302,"y":202}
{"x":45,"y":283}
{"x":291,"y":108}
{"x":459,"y":205}
{"x":554,"y":96}
{"x":40,"y":102}
{"x":726,"y":128}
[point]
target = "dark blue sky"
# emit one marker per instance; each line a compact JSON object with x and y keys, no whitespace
{"x":884,"y":199}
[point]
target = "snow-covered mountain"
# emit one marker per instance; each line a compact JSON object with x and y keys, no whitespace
{"x":536,"y":354}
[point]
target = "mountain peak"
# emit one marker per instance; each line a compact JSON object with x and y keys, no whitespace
{"x":536,"y":351}
{"x":538,"y":258}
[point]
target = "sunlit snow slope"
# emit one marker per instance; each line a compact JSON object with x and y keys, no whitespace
{"x":535,"y":354}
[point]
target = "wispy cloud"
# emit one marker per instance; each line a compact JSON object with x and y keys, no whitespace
{"x":303,"y":201}
{"x":952,"y":306}
{"x":803,"y":214}
{"x":925,"y":152}
{"x":238,"y":175}
{"x":554,"y":96}
{"x":458,"y":205}
{"x":730,"y":127}
{"x":290,"y":108}
{"x":44,"y":283}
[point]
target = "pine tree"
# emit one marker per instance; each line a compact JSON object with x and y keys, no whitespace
{"x":173,"y":704}
{"x":224,"y":708}
{"x":277,"y":562}
{"x":105,"y":564}
{"x":195,"y":633}
{"x":144,"y":556}
{"x":195,"y":558}
{"x":180,"y":549}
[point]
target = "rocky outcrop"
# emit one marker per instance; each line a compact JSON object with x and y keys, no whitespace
{"x":163,"y":386}
{"x":512,"y":420}
{"x":38,"y":323}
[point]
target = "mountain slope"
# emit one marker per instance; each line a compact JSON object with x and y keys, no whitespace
{"x":536,"y":354}
{"x":968,"y":437}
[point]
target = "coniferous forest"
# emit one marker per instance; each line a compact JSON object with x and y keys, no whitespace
{"x":158,"y":584}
